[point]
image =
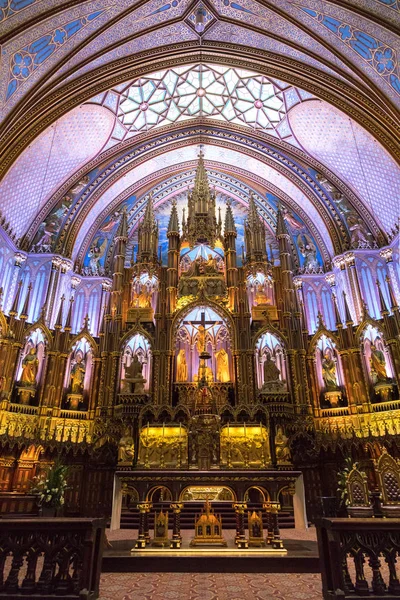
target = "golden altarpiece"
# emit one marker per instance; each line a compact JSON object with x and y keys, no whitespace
{"x":203,"y":379}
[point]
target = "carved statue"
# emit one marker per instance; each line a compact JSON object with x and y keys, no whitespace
{"x":378,"y":364}
{"x":222,"y":366}
{"x":329,"y":372}
{"x":210,"y":265}
{"x":134,"y":371}
{"x":271,"y":371}
{"x":182,"y":369}
{"x":126,"y":447}
{"x":30,"y":368}
{"x":144,"y":298}
{"x":77,"y":376}
{"x":261,"y":297}
{"x":358,"y":231}
{"x":282,"y":449}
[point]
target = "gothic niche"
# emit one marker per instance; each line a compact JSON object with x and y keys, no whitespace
{"x":378,"y":363}
{"x":329,"y":373}
{"x":136,"y":365}
{"x":270,"y":364}
{"x":78,"y":375}
{"x":260,"y":292}
{"x":31,"y":365}
{"x":203,"y":330}
{"x":201,"y":269}
{"x":143,"y":296}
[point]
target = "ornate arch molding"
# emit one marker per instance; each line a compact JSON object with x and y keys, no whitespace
{"x":115,"y":157}
{"x":317,"y":335}
{"x":367,"y":320}
{"x":153,"y":181}
{"x":137,"y":329}
{"x":279,"y":162}
{"x":270,"y":328}
{"x":218,"y":308}
{"x":27,"y":122}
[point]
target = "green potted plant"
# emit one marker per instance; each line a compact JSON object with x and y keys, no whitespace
{"x":50,"y":487}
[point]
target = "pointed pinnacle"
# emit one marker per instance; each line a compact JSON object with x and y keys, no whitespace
{"x":173,"y":225}
{"x":382,"y":302}
{"x":68,"y":322}
{"x":122,"y":231}
{"x":58,"y":323}
{"x":14,"y":307}
{"x":393,"y":301}
{"x":281,"y":228}
{"x":346,"y":309}
{"x":25,"y":308}
{"x":230,"y":226}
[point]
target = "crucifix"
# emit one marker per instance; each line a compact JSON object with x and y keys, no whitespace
{"x":201,"y":329}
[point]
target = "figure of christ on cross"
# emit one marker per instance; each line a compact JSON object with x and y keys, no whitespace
{"x":201,"y":329}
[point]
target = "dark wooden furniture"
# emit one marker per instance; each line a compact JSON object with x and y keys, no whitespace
{"x":18,"y":504}
{"x":347,"y":546}
{"x":358,"y":495}
{"x":51,"y":558}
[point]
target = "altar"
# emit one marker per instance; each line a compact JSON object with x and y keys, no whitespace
{"x":238,"y":482}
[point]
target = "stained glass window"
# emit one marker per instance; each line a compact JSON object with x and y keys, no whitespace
{"x":234,"y":95}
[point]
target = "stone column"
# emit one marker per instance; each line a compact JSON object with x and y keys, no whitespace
{"x":116,"y":504}
{"x":176,"y":541}
{"x":143,"y":533}
{"x":240,"y":538}
{"x":299,"y":505}
{"x":273,"y":537}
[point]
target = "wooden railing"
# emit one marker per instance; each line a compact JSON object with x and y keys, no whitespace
{"x":51,"y":558}
{"x":18,"y":503}
{"x":358,"y":558}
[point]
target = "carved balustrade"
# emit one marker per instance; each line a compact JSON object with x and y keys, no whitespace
{"x":358,"y":558}
{"x":51,"y":558}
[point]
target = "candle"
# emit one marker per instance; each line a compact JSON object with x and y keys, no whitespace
{"x":180,"y":429}
{"x":163,"y":428}
{"x":245,"y":429}
{"x":148,"y":428}
{"x":228,"y":428}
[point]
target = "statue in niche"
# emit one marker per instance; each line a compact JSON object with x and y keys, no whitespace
{"x":358,"y":231}
{"x":135,"y":368}
{"x":329,"y":374}
{"x":144,"y":298}
{"x":126,"y":448}
{"x":182,"y":368}
{"x":261,"y":297}
{"x":78,"y":376}
{"x":210,"y":265}
{"x":282,"y":449}
{"x":271,"y":371}
{"x":133,"y":376}
{"x":221,"y":358}
{"x":308,"y":249}
{"x":378,"y":365}
{"x":30,"y":368}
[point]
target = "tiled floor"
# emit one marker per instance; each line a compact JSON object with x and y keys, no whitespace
{"x":219,"y":586}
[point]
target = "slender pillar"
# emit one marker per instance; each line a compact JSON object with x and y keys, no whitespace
{"x":144,"y":509}
{"x":273,"y":537}
{"x":176,"y":541}
{"x":240,"y":538}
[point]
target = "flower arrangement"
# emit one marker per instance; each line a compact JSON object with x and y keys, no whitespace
{"x":51,"y":486}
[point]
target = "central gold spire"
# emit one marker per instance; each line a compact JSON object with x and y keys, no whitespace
{"x":201,"y":226}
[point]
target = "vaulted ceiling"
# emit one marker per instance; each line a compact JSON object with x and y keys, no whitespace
{"x":102,"y":102}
